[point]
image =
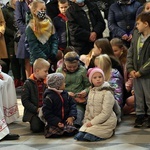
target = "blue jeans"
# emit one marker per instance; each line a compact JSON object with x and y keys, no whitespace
{"x":83,"y":136}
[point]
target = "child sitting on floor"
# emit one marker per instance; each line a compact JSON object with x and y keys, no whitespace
{"x":32,"y":93}
{"x":99,"y":119}
{"x":59,"y":109}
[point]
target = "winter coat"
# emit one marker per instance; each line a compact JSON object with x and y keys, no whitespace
{"x":61,"y":26}
{"x":79,"y":27}
{"x":55,"y":110}
{"x":76,"y":81}
{"x":3,"y":50}
{"x":121,"y":18}
{"x":39,"y":50}
{"x":116,"y":82}
{"x":21,"y":11}
{"x":99,"y":111}
{"x":139,"y":62}
{"x":11,"y":28}
{"x":30,"y":99}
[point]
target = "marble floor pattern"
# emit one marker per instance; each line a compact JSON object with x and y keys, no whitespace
{"x":126,"y":138}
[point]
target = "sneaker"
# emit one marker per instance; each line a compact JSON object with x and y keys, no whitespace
{"x":139,"y":121}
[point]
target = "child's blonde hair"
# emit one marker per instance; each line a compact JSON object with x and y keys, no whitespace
{"x":35,"y":21}
{"x":71,"y":57}
{"x":119,"y":43}
{"x":103,"y":62}
{"x":40,"y":63}
{"x":34,"y":5}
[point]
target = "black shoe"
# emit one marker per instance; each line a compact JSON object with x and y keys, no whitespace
{"x":11,"y":137}
{"x":139,"y":121}
{"x":148,"y":122}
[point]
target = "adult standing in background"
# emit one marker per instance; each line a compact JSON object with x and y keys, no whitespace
{"x":11,"y":29}
{"x":21,"y":12}
{"x":121,"y":19}
{"x":3,"y":50}
{"x":85,"y":23}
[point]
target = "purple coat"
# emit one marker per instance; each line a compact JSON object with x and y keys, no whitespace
{"x":20,"y":18}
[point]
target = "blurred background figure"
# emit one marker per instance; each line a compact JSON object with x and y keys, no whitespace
{"x":121,"y":19}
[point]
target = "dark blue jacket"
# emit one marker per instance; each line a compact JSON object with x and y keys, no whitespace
{"x":54,"y":108}
{"x":121,"y":18}
{"x":62,"y":32}
{"x":21,"y":11}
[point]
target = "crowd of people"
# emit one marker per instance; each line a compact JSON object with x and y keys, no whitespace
{"x":75,"y":81}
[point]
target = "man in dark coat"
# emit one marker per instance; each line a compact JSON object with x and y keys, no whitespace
{"x":85,"y":23}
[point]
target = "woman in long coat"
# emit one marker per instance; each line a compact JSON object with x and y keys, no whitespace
{"x":3,"y":50}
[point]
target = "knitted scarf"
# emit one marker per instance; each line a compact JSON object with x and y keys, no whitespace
{"x":42,"y":29}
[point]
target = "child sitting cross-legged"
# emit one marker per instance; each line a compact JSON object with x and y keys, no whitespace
{"x":59,"y":109}
{"x":99,"y":119}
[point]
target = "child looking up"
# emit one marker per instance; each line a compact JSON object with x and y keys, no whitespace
{"x":32,"y":94}
{"x":61,"y":25}
{"x":59,"y":109}
{"x":138,"y":65}
{"x":77,"y":83}
{"x":99,"y":119}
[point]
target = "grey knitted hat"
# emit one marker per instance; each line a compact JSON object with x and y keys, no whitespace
{"x":55,"y":80}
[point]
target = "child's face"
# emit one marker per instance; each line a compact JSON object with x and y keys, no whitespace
{"x":40,"y":7}
{"x":147,"y":7}
{"x":117,"y":51}
{"x":62,"y":86}
{"x":63,"y":7}
{"x":96,"y":51}
{"x":97,"y":79}
{"x":42,"y":73}
{"x":141,"y":25}
{"x":71,"y":67}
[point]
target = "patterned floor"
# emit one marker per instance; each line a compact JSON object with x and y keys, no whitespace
{"x":125,"y":138}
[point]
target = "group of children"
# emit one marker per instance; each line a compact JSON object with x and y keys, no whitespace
{"x":74,"y":101}
{"x":62,"y":106}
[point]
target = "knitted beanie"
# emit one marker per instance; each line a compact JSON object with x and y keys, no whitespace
{"x":91,"y":71}
{"x":55,"y":80}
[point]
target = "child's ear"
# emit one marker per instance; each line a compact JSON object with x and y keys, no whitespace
{"x":34,"y":12}
{"x":37,"y":70}
{"x":100,"y":50}
{"x":146,"y":24}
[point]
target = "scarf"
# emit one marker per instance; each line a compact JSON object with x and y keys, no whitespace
{"x":44,"y":31}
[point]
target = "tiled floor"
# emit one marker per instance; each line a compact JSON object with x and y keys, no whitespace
{"x":126,"y":138}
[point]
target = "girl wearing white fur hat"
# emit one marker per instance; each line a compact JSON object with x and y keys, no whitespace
{"x":99,"y":119}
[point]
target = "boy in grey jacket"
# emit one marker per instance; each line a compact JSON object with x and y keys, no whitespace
{"x":138,"y":65}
